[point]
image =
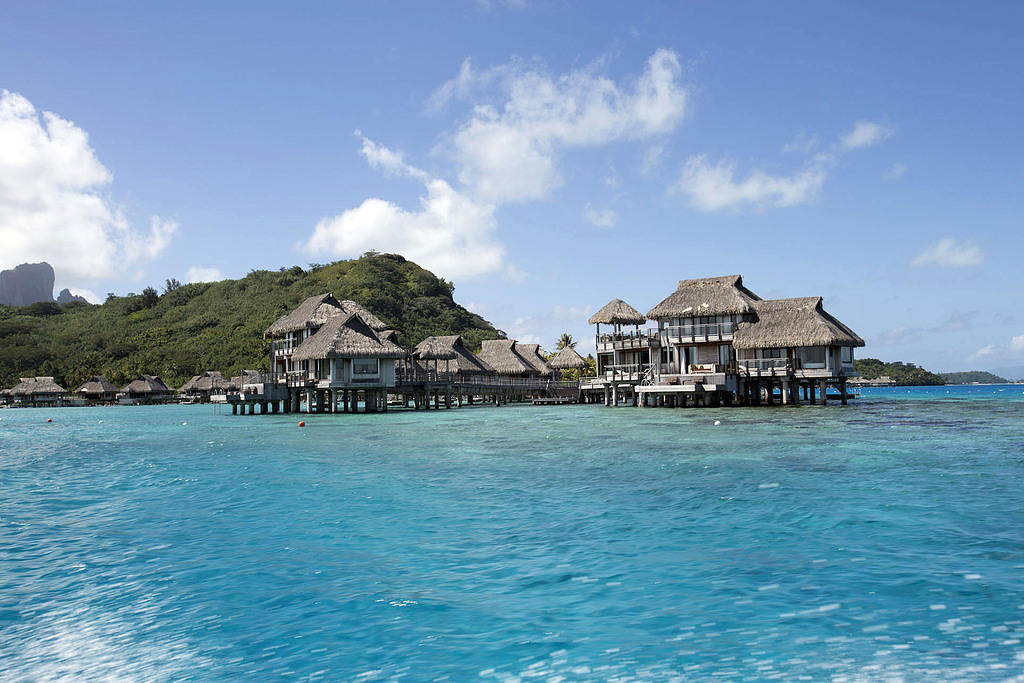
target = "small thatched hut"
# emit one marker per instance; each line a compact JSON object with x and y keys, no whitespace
{"x":98,"y":390}
{"x":567,"y":359}
{"x":203,"y":386}
{"x":146,"y":389}
{"x":503,"y":357}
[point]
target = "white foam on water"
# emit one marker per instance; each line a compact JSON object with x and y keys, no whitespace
{"x":773,"y":485}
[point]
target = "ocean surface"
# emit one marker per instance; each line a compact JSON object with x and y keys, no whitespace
{"x":882,"y":540}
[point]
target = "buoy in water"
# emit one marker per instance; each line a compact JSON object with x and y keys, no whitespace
{"x":718,"y":422}
{"x":302,"y":423}
{"x":184,"y":423}
{"x":49,"y":419}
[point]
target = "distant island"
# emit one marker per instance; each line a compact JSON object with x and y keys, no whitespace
{"x":973,"y":377}
{"x":903,"y":374}
{"x":186,"y":329}
{"x":31,"y":283}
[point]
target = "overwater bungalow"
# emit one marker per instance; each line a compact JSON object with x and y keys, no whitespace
{"x":145,"y":390}
{"x":201,"y":387}
{"x":97,"y":390}
{"x":449,"y":354}
{"x":789,"y":345}
{"x":38,"y":392}
{"x":5,"y":397}
{"x":343,"y":357}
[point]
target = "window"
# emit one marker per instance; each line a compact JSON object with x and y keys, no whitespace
{"x":847,"y":355}
{"x":365,"y":366}
{"x":772,"y":353}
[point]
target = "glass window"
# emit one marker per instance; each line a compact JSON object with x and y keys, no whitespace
{"x":365,"y":366}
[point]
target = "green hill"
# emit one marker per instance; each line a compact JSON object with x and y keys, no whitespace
{"x":979,"y":376}
{"x":219,"y":325}
{"x":906,"y":374}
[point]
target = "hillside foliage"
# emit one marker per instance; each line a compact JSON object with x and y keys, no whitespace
{"x":188,"y":329}
{"x":905,"y":374}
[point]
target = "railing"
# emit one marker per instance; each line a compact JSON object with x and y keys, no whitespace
{"x":700,"y":332}
{"x":630,"y":339}
{"x":407,"y":375}
{"x":282,"y":347}
{"x":764,"y":364}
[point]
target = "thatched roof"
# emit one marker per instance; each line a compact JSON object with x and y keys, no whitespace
{"x":349,"y":307}
{"x":97,"y":386}
{"x":209,"y":381}
{"x":503,"y":357}
{"x":316,"y":310}
{"x":346,"y":337}
{"x":706,"y":296}
{"x":785,"y":323}
{"x":46,"y":385}
{"x":617,"y":312}
{"x":312,"y":312}
{"x":532,"y":355}
{"x":147,"y":384}
{"x":567,"y":359}
{"x":30,"y":386}
{"x":435,"y":348}
{"x":464,"y":361}
{"x":390,"y":335}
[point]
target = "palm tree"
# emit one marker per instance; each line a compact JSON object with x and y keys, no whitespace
{"x":565,"y":341}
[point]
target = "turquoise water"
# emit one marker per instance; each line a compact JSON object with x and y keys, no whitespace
{"x":880,"y":540}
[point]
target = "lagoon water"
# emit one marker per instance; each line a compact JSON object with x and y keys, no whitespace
{"x":880,"y":540}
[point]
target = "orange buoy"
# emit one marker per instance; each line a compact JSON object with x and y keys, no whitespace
{"x":302,"y":423}
{"x":49,"y":419}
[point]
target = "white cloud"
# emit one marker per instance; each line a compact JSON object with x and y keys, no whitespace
{"x":651,"y":159}
{"x":602,"y":218}
{"x":52,"y":206}
{"x":1012,"y":350}
{"x":451,"y":234}
{"x":572,"y":312}
{"x":200,"y":274}
{"x":714,"y":187}
{"x":803,"y":143}
{"x":510,"y":151}
{"x":865,"y":134}
{"x":949,"y":254}
{"x":900,"y":336}
{"x":895,"y":172}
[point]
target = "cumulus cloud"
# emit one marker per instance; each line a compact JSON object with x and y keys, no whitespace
{"x":509,"y":151}
{"x":1011,"y":350}
{"x":865,"y":134}
{"x":714,"y":187}
{"x":201,"y":274}
{"x":451,"y":234}
{"x":52,"y":202}
{"x":602,"y":218}
{"x":948,"y":253}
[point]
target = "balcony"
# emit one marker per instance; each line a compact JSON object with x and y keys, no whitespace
{"x":625,"y":341}
{"x":690,"y":334}
{"x":282,"y":348}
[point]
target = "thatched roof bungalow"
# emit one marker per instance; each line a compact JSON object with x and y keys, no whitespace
{"x":346,"y":350}
{"x":798,"y":331}
{"x":37,"y":391}
{"x":309,"y":315}
{"x":98,"y":390}
{"x":452,"y":350}
{"x":205,"y":385}
{"x":503,"y":356}
{"x":567,"y":359}
{"x":146,"y":389}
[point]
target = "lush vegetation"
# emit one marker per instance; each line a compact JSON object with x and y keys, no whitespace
{"x":906,"y":374}
{"x":188,"y":329}
{"x":979,"y":376}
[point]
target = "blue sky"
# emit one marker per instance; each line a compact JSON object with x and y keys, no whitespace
{"x":547,"y":157}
